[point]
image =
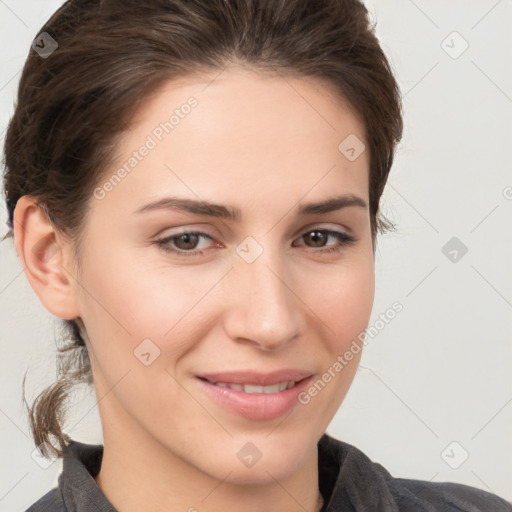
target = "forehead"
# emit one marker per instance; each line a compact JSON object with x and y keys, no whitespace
{"x":248,"y":135}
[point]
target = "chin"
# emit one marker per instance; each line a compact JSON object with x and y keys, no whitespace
{"x":263,"y":473}
{"x":273,"y":464}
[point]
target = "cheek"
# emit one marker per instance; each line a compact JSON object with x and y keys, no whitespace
{"x":133,"y":307}
{"x":134,"y":301}
{"x":130,"y":300}
{"x":344,"y":301}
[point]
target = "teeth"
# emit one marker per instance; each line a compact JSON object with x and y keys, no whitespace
{"x":250,"y":388}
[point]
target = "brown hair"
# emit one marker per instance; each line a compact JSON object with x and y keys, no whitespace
{"x":74,"y":104}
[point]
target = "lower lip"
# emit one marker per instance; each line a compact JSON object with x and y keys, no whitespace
{"x":256,"y":406}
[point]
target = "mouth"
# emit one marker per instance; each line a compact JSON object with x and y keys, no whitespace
{"x":254,"y":388}
{"x":256,"y":396}
{"x":251,"y":381}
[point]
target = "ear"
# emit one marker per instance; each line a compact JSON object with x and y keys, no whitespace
{"x":45,"y":258}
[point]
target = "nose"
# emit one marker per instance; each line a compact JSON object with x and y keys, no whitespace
{"x":263,"y":309}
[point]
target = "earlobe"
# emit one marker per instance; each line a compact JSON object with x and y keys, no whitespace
{"x":42,"y":254}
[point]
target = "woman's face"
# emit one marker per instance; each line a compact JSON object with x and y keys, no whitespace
{"x":254,"y":299}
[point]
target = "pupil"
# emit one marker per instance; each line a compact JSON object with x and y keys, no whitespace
{"x":316,"y":235}
{"x":186,"y":238}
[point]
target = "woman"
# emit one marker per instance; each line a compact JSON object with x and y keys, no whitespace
{"x":194,"y":189}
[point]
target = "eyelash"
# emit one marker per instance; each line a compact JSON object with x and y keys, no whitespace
{"x":344,"y":240}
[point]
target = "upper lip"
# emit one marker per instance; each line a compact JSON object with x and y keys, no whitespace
{"x":257,"y":378}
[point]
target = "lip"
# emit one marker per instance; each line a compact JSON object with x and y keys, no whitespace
{"x":256,"y":406}
{"x":257,"y":378}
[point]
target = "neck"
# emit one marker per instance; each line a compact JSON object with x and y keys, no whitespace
{"x":140,"y":481}
{"x":139,"y":474}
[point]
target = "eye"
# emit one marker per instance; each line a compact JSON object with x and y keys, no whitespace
{"x":318,"y":235}
{"x":190,"y":239}
{"x":185,"y":241}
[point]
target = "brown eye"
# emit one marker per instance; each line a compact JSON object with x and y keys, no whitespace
{"x":185,"y":243}
{"x":319,"y":237}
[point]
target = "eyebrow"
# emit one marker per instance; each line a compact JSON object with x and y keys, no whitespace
{"x":234,"y":214}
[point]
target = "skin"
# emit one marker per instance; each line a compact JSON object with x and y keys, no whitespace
{"x":264,"y":144}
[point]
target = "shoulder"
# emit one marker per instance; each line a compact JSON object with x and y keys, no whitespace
{"x":447,"y":496}
{"x":367,"y":485}
{"x":51,"y":502}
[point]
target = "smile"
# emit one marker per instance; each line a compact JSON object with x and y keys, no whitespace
{"x":251,"y":388}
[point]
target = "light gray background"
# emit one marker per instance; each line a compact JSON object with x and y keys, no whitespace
{"x":440,"y":372}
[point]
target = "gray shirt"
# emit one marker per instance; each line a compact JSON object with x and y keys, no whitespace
{"x":348,"y":480}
